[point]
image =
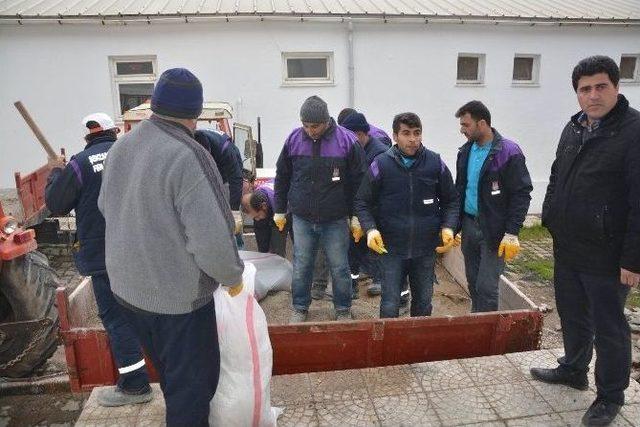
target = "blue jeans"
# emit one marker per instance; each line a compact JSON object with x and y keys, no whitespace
{"x":394,"y":271}
{"x":482,"y":265}
{"x":333,"y":237}
{"x":124,"y":342}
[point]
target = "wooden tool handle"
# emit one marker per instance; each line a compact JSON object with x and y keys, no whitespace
{"x":36,"y":130}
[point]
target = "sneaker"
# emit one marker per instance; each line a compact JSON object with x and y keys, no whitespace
{"x":318,"y":291}
{"x":354,"y":289}
{"x":374,"y":289}
{"x":343,"y":315}
{"x":560,"y":376}
{"x":600,"y":413}
{"x":114,"y":396}
{"x":298,"y":316}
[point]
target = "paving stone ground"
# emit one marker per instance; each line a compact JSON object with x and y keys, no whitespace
{"x":486,"y":391}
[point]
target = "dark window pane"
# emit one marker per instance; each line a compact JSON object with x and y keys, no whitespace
{"x":523,"y":69}
{"x":128,"y":68}
{"x":468,"y":68}
{"x":628,"y":67}
{"x":299,"y":68}
{"x":134,"y":94}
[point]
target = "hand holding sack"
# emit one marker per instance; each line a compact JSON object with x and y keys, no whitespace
{"x":246,"y":358}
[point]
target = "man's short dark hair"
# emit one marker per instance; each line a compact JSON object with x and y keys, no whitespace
{"x":409,"y":119}
{"x":344,"y":113}
{"x":257,"y":199}
{"x":477,"y":110}
{"x":595,"y":65}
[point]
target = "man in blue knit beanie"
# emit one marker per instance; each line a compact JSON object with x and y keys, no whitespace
{"x":169,"y":244}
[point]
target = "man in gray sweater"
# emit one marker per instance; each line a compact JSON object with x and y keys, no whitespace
{"x":169,"y":244}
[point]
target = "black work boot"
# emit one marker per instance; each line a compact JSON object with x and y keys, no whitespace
{"x":600,"y":413}
{"x":354,"y":289}
{"x":560,"y":376}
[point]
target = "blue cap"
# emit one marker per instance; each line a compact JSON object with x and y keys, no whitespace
{"x":178,"y":93}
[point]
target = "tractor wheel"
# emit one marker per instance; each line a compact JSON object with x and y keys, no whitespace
{"x":27,"y":293}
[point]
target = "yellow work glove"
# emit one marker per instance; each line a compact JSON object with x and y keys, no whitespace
{"x":356,"y":230}
{"x":374,"y":241}
{"x":509,"y":247}
{"x":447,"y":241}
{"x":281,"y":220}
{"x":235,"y":289}
{"x":446,"y":234}
{"x":458,"y":239}
{"x":237,"y":221}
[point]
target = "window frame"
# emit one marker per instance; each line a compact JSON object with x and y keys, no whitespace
{"x":535,"y":70}
{"x":480,"y":72}
{"x":308,"y":81}
{"x":636,"y":78}
{"x":117,"y":79}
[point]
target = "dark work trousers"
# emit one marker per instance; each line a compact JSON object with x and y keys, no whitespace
{"x":361,"y":258}
{"x":421,"y":273}
{"x":185,"y":352}
{"x":133,"y":377}
{"x":269,"y":239}
{"x":483,"y":267}
{"x":593,"y":306}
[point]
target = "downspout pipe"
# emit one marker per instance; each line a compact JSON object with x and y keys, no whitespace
{"x":351,"y":63}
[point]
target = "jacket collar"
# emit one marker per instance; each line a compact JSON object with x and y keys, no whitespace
{"x":177,"y":125}
{"x":612,"y":116}
{"x":397,"y":154}
{"x":496,"y":144}
{"x":101,"y":137}
{"x":331,"y":130}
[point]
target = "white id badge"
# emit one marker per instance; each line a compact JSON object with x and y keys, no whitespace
{"x":427,"y":201}
{"x":335,"y":178}
{"x":495,"y":192}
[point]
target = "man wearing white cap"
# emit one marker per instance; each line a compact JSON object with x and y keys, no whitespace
{"x":77,"y":186}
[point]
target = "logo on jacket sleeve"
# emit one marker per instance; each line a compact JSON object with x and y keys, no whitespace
{"x":97,"y":161}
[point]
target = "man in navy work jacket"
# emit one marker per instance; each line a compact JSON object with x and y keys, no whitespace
{"x":494,"y":186}
{"x":77,"y":186}
{"x":359,"y":252}
{"x":317,"y":176}
{"x":373,"y":131}
{"x":229,"y":162}
{"x":408,"y":198}
{"x":259,"y":205}
{"x":592,"y":209}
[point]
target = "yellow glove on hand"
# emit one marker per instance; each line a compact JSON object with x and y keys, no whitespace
{"x":458,"y":239}
{"x":444,"y":248}
{"x":374,"y":241}
{"x":447,"y":241}
{"x":281,"y":220}
{"x":235,"y":289}
{"x":509,"y":247}
{"x":237,"y":220}
{"x":356,"y":230}
{"x":446,"y":234}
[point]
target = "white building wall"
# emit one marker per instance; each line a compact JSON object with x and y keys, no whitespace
{"x":61,"y":73}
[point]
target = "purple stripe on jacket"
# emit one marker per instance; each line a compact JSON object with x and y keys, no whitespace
{"x":375,"y":169}
{"x":338,"y":144}
{"x":76,"y":169}
{"x":509,"y":150}
{"x":376,"y":132}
